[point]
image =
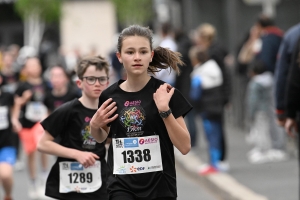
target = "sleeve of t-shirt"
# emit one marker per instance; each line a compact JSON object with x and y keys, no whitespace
{"x":46,"y":101}
{"x":57,"y":121}
{"x":179,"y":104}
{"x":20,"y":89}
{"x":11,"y":100}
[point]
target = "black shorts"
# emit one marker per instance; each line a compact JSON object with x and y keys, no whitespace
{"x":121,"y":195}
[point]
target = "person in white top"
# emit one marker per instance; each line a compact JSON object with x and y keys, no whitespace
{"x":167,"y":75}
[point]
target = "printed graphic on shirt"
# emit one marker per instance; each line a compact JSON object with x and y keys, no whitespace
{"x":88,"y":141}
{"x":57,"y":103}
{"x":38,"y":93}
{"x":133,"y":118}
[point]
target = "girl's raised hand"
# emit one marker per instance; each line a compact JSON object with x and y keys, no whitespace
{"x":162,"y":96}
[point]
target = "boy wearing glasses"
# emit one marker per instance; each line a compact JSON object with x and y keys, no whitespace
{"x":80,"y":169}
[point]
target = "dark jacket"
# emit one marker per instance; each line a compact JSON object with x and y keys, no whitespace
{"x":218,"y":53}
{"x":182,"y":82}
{"x":271,"y":40}
{"x":293,"y":85}
{"x":283,"y":65}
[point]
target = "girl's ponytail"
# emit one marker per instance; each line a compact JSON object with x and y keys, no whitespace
{"x":164,"y":58}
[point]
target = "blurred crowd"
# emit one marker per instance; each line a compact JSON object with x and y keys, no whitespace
{"x":267,"y":60}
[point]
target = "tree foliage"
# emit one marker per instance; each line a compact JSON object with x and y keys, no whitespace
{"x":133,"y":11}
{"x":48,"y":10}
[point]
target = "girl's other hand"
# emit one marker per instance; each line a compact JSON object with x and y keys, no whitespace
{"x":103,"y":115}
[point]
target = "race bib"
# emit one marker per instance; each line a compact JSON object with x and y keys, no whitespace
{"x":11,"y":87}
{"x":76,"y":178}
{"x":137,"y":155}
{"x":35,"y":111}
{"x":4,"y":122}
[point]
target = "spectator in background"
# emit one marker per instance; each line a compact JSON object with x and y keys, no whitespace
{"x":182,"y":81}
{"x":206,"y":38}
{"x":292,"y":124}
{"x":116,"y":65}
{"x":283,"y":65}
{"x":167,"y":75}
{"x":251,"y":47}
{"x":271,"y":37}
{"x":246,"y":53}
{"x":260,"y":115}
{"x":206,"y":82}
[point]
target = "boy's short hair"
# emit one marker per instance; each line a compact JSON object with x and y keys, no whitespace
{"x":98,"y":61}
{"x":257,"y":67}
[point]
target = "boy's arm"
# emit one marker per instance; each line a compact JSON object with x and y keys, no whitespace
{"x":15,"y":113}
{"x":47,"y":145}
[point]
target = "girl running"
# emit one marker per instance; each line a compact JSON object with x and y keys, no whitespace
{"x":144,"y":118}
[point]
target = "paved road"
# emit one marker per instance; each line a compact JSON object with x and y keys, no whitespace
{"x":191,"y":189}
{"x":188,"y":188}
{"x":273,"y":181}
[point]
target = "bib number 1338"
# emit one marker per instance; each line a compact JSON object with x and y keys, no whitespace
{"x":137,"y":155}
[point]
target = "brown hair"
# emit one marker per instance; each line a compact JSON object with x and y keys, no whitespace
{"x":97,"y":61}
{"x":163,"y":58}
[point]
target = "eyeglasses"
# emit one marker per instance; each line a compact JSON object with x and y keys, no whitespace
{"x":91,"y":80}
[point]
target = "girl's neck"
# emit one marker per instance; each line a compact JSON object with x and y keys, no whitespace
{"x":60,"y":91}
{"x":134,"y":84}
{"x":89,"y":102}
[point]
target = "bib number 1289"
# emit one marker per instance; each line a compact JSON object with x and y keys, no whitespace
{"x":80,"y":177}
{"x":130,"y":156}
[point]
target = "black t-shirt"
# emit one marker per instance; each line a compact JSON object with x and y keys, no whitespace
{"x":38,"y":95}
{"x":155,"y":184}
{"x":52,"y":102}
{"x":6,"y":103}
{"x":71,"y":122}
{"x":9,"y":82}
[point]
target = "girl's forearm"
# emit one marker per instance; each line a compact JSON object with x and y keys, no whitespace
{"x":178,"y":133}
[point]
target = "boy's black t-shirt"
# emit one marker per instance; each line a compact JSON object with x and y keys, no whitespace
{"x":148,"y":185}
{"x":38,"y":95}
{"x":52,"y":102}
{"x":6,"y":134}
{"x":71,"y":122}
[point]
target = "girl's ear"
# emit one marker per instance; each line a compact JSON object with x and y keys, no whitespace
{"x":119,"y":57}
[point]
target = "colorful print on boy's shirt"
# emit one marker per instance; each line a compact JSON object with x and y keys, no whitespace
{"x":133,"y":118}
{"x":88,"y":141}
